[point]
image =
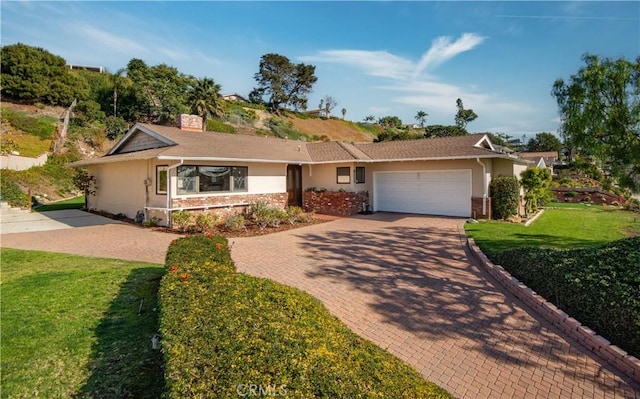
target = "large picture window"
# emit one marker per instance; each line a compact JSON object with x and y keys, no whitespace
{"x":194,"y":179}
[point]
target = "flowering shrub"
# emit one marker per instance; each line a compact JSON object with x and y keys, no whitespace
{"x":181,"y":220}
{"x":221,"y":329}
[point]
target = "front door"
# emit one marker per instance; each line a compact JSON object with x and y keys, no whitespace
{"x":294,"y":185}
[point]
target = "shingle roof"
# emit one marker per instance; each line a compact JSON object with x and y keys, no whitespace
{"x":224,"y":146}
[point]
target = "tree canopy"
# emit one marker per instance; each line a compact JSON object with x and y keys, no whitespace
{"x":283,"y":82}
{"x":544,"y":142}
{"x":464,"y":116}
{"x":33,"y":74}
{"x":444,"y":131}
{"x":600,"y":113}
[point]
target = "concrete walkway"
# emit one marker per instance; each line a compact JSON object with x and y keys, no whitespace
{"x":407,"y":284}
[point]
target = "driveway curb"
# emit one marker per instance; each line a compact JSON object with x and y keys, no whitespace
{"x":597,"y":344}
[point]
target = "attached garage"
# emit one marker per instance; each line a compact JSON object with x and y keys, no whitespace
{"x":431,"y":192}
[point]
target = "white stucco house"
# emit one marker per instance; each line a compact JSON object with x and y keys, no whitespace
{"x":160,"y":169}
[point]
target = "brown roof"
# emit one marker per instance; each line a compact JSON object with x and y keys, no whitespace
{"x":224,"y":146}
{"x":541,"y":154}
{"x":431,"y":148}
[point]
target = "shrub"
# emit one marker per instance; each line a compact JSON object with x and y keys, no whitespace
{"x":294,"y":214}
{"x":220,"y":329}
{"x":205,"y":221}
{"x":586,"y":198}
{"x":215,"y":125}
{"x":181,"y":220}
{"x":266,"y":216}
{"x":633,"y":205}
{"x":536,"y":183}
{"x":505,"y":196}
{"x":570,"y":194}
{"x":597,"y":286}
{"x":234,"y":222}
{"x":11,"y":193}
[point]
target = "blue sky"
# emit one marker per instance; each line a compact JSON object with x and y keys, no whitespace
{"x":374,"y":58}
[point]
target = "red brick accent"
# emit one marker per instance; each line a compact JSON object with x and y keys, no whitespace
{"x":476,"y":208}
{"x":223,"y":205}
{"x":583,"y":334}
{"x":335,"y":202}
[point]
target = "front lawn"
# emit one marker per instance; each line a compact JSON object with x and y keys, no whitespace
{"x":78,"y":327}
{"x":71,"y":203}
{"x":570,"y":227}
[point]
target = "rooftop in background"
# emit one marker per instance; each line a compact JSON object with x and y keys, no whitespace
{"x":91,"y":68}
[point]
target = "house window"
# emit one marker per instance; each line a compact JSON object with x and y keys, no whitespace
{"x":343,"y":175}
{"x":161,"y":179}
{"x":194,"y":179}
{"x":359,"y":178}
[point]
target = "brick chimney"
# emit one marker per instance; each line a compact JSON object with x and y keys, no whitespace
{"x":190,"y":123}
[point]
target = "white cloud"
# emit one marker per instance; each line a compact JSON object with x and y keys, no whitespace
{"x":374,"y":63}
{"x":442,"y":50}
{"x":117,"y":43}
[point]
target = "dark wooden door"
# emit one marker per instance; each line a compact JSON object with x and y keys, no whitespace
{"x":294,"y":185}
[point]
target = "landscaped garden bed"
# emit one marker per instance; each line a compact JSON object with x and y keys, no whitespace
{"x":224,"y":332}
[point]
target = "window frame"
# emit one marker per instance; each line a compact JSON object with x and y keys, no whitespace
{"x":343,"y":178}
{"x":196,"y":184}
{"x":362,"y":174}
{"x":165,"y":169}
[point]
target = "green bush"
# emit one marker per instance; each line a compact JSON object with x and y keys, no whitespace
{"x":285,"y":130}
{"x":205,"y":221}
{"x":181,"y":220}
{"x":505,"y":196}
{"x":223,"y":330}
{"x":597,"y":286}
{"x":234,"y":222}
{"x":214,"y":125}
{"x":266,"y":216}
{"x":11,"y":193}
{"x":294,"y":214}
{"x":571,"y":194}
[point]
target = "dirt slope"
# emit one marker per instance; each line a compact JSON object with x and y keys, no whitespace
{"x":332,"y":128}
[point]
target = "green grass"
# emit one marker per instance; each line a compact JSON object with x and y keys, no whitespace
{"x":71,"y":328}
{"x":71,"y":203}
{"x":557,"y":228}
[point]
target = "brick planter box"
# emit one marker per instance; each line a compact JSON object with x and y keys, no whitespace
{"x":336,"y":203}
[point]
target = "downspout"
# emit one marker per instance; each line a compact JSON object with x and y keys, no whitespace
{"x":484,"y":187}
{"x":169,"y":190}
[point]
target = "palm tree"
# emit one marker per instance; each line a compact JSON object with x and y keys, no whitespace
{"x":421,"y":117}
{"x":344,"y":112}
{"x":116,"y":78}
{"x":205,"y":99}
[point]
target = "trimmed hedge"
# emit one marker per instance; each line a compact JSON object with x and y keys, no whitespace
{"x":599,"y":286}
{"x":225,"y":333}
{"x":505,"y":196}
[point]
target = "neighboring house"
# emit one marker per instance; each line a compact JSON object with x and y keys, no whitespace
{"x":235,"y":97}
{"x":317,"y":112}
{"x":544,"y":159}
{"x":160,"y":169}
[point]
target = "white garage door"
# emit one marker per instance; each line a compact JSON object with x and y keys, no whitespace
{"x":441,"y":192}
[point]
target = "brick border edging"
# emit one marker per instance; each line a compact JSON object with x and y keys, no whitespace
{"x":567,"y":324}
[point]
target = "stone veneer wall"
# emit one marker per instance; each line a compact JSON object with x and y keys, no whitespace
{"x":335,"y":202}
{"x":476,"y":208}
{"x":224,"y":205}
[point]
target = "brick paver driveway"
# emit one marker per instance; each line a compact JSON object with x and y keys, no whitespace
{"x":407,"y":284}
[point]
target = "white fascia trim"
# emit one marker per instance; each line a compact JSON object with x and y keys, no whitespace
{"x":219,"y":159}
{"x":141,"y":128}
{"x":485,"y":139}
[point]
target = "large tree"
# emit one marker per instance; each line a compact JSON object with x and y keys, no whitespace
{"x":464,"y":116}
{"x":283,"y":82}
{"x":33,"y":74}
{"x":544,"y":142}
{"x":600,"y":113}
{"x":205,"y":99}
